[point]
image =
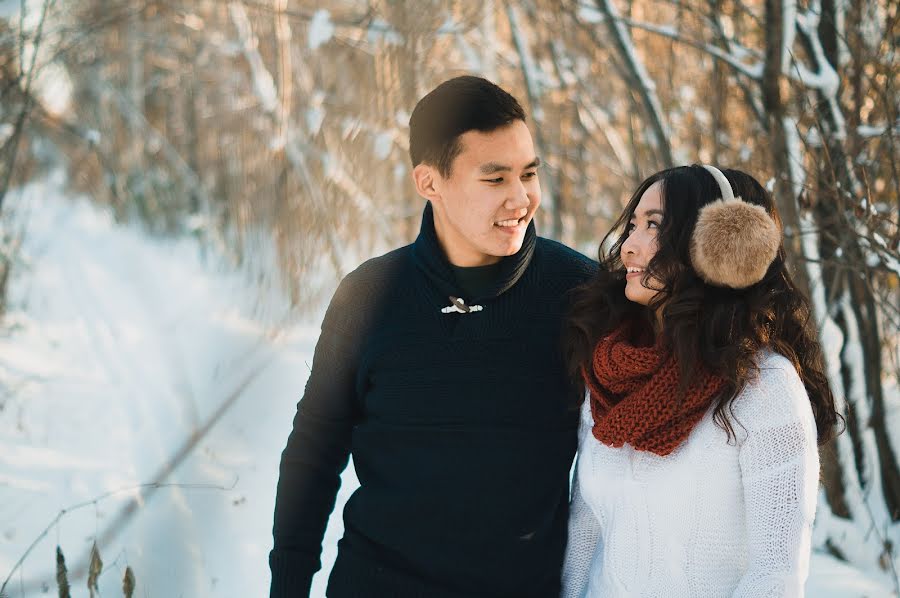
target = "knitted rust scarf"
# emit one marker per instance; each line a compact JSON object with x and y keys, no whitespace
{"x":634,"y":395}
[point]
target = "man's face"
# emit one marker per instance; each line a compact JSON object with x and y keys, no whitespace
{"x":481,"y":211}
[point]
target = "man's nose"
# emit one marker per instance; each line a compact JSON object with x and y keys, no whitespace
{"x":519,"y":198}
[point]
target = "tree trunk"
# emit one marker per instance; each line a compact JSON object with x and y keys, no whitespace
{"x":838,"y":223}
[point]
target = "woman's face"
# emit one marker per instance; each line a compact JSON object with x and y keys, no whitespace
{"x":641,"y":245}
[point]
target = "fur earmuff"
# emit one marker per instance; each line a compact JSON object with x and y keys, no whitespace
{"x":734,"y":243}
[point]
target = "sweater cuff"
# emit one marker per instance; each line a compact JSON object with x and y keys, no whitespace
{"x":290,"y":579}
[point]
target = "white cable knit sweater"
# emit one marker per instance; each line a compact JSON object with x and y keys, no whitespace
{"x":712,"y":518}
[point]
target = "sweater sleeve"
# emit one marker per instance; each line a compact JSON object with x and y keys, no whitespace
{"x":584,"y":536}
{"x":779,"y":464}
{"x":317,"y":452}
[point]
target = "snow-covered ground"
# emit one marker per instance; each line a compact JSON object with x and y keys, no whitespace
{"x":119,"y":350}
{"x":127,"y":360}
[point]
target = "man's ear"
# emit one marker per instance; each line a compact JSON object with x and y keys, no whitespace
{"x":427,"y":184}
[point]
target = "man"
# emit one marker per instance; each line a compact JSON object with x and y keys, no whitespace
{"x":439,"y":367}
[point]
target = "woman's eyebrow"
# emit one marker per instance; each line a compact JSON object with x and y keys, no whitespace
{"x":647,"y":213}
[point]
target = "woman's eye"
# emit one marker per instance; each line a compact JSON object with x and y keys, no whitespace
{"x":499,"y":180}
{"x":630,"y":227}
{"x":529,"y":175}
{"x":652,"y":224}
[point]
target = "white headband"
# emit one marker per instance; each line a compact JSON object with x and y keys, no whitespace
{"x":724,"y":185}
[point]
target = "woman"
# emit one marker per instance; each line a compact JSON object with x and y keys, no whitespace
{"x":698,"y":466}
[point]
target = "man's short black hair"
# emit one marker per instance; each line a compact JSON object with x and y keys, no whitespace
{"x":455,"y":106}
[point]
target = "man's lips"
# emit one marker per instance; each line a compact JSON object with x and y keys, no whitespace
{"x":510,"y":224}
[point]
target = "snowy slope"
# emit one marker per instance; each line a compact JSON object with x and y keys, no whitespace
{"x":125,"y":352}
{"x":120,"y":349}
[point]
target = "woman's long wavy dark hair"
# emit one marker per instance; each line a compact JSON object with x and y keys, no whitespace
{"x":721,"y":328}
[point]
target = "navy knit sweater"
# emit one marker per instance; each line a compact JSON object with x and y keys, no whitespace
{"x":462,"y":429}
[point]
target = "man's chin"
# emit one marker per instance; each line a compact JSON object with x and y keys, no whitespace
{"x":510,"y":249}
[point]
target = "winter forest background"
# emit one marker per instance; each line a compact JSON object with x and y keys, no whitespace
{"x":184,"y":182}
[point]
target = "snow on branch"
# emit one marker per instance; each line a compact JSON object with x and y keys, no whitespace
{"x":825,"y":79}
{"x":640,"y":78}
{"x":870,"y":131}
{"x":264,"y":86}
{"x":733,"y":58}
{"x":295,"y":151}
{"x":531,"y":73}
{"x":263,"y":83}
{"x":788,"y":18}
{"x":529,"y":69}
{"x":137,"y":119}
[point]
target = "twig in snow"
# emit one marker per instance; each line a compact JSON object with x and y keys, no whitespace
{"x":94,"y":502}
